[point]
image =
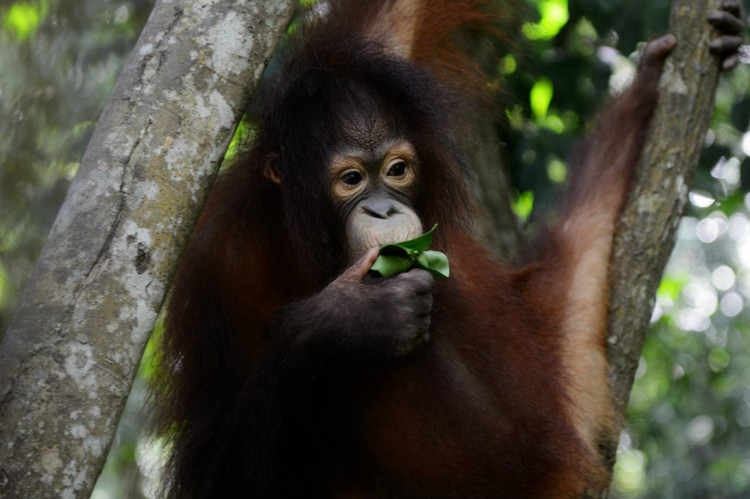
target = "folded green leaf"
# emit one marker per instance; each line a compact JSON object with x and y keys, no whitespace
{"x":419,"y":243}
{"x":435,"y":262}
{"x":396,"y":258}
{"x":388,"y":266}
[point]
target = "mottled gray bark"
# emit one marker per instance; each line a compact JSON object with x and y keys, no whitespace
{"x":645,"y":237}
{"x":69,"y":357}
{"x":646,"y":233}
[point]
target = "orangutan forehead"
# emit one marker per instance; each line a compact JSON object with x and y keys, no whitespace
{"x":365,"y":121}
{"x":366,"y":130}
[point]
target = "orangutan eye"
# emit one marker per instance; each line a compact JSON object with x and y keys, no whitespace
{"x":351,"y":178}
{"x":397,"y":169}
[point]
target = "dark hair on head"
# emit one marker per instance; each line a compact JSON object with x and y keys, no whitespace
{"x":309,"y":101}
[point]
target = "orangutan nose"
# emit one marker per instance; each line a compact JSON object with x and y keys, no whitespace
{"x":379,"y":208}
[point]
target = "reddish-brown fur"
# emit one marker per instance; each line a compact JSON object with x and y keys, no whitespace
{"x":509,"y":397}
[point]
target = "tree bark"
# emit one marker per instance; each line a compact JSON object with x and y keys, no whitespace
{"x":646,"y":232}
{"x":70,"y":355}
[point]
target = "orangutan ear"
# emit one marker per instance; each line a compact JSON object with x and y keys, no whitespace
{"x":271,"y":170}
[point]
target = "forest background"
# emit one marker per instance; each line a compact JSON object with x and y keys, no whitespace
{"x":688,"y":431}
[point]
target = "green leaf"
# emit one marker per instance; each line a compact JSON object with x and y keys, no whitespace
{"x":541,"y":97}
{"x":396,"y":258}
{"x":554,"y":15}
{"x":22,"y":19}
{"x":436,"y":263}
{"x":524,"y":205}
{"x":420,"y":243}
{"x":388,"y":266}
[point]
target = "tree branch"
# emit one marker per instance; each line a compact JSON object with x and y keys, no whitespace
{"x":646,"y":232}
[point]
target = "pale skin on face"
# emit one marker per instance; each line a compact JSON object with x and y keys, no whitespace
{"x":372,"y":181}
{"x":375,"y":177}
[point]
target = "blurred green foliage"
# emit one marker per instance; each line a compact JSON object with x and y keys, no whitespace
{"x":22,"y":19}
{"x":688,"y":431}
{"x":689,"y":416}
{"x":60,"y":59}
{"x":688,"y":434}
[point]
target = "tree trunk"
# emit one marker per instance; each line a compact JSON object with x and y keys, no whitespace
{"x":646,"y":232}
{"x":70,"y":355}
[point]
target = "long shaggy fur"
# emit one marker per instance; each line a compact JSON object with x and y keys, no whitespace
{"x":509,"y":397}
